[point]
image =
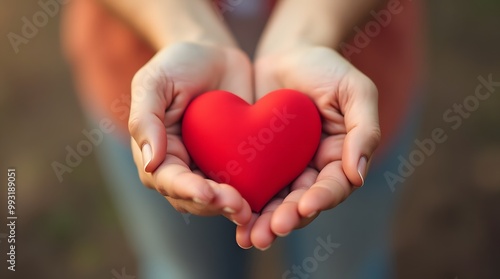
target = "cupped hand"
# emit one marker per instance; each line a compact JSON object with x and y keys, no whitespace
{"x":347,"y":102}
{"x":161,"y":91}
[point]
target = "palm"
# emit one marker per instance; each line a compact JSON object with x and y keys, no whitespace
{"x":161,"y":92}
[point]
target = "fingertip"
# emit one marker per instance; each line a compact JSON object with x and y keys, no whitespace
{"x":245,"y":214}
{"x":232,"y":204}
{"x":306,"y":209}
{"x":285,"y":218}
{"x":228,"y":210}
{"x":261,"y":235}
{"x":243,"y":233}
{"x":242,"y":217}
{"x":245,"y":247}
{"x":362,"y":168}
{"x":206,"y":193}
{"x":315,"y":200}
{"x":363,"y":128}
{"x":358,"y":149}
{"x":147,"y":156}
{"x":149,"y":133}
{"x":175,"y":179}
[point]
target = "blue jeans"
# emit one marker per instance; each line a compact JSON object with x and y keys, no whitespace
{"x":350,"y":241}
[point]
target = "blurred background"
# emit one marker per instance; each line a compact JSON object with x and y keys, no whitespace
{"x":448,"y":223}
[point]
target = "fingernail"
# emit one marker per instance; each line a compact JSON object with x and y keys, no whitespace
{"x":362,"y":170}
{"x":229,"y":210}
{"x":282,"y":235}
{"x":147,"y":155}
{"x":265,"y":248}
{"x":246,"y":248}
{"x":236,"y":223}
{"x":200,"y":201}
{"x":312,"y":214}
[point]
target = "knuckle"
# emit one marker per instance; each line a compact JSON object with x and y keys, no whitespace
{"x":371,"y":86}
{"x":366,"y":85}
{"x":143,"y":177}
{"x":376,"y":135}
{"x":136,"y":78}
{"x":133,"y":125}
{"x":146,"y":79}
{"x":177,"y":205}
{"x":164,"y":186}
{"x":160,"y":189}
{"x":141,"y":76}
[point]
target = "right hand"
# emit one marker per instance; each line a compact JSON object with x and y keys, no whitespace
{"x":161,"y":91}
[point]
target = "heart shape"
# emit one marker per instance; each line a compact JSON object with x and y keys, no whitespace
{"x":258,"y":149}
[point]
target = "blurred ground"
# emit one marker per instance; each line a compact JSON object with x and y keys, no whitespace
{"x":448,"y":222}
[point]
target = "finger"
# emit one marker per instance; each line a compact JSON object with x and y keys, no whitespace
{"x":243,"y":233}
{"x":362,"y":125}
{"x":331,"y":188}
{"x":177,"y":148}
{"x":226,"y":202}
{"x":151,"y":95}
{"x":286,"y":218}
{"x":137,"y":157}
{"x":229,"y":202}
{"x":174,"y":179}
{"x":262,"y":236}
{"x":329,"y":150}
{"x":198,"y":172}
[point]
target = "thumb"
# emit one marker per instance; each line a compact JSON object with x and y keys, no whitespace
{"x":362,"y":125}
{"x":150,"y":99}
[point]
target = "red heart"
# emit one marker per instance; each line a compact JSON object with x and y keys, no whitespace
{"x":258,"y":149}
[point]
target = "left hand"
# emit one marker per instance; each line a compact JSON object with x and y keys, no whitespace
{"x":347,"y":102}
{"x":161,"y":91}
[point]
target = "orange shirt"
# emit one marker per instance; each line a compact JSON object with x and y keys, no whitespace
{"x":105,"y":53}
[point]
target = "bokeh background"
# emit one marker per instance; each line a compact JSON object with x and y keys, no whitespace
{"x":448,"y":223}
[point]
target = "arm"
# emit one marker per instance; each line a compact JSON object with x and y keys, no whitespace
{"x":168,"y":21}
{"x":317,"y":22}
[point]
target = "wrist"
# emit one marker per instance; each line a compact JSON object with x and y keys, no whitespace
{"x":193,"y":34}
{"x":313,"y":26}
{"x":163,"y":23}
{"x":323,"y":23}
{"x":198,"y":23}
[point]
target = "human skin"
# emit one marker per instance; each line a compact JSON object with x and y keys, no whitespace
{"x":196,"y":53}
{"x":300,"y":54}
